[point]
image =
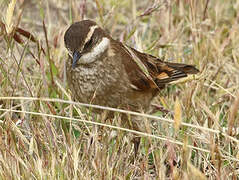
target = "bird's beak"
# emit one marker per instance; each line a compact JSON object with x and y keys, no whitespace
{"x":76,"y":57}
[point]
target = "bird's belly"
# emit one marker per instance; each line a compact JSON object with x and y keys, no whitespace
{"x":97,"y":86}
{"x":105,"y":85}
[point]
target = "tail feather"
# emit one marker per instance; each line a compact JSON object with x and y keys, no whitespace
{"x":172,"y":72}
{"x":187,"y":69}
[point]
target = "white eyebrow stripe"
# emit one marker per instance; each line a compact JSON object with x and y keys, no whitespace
{"x":95,"y":52}
{"x":90,"y":33}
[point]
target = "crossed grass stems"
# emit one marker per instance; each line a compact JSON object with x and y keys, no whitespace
{"x":16,"y":36}
{"x":77,"y":104}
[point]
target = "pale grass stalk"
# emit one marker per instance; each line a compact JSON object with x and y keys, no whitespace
{"x":71,"y":105}
{"x":233,"y":121}
{"x":14,"y":107}
{"x":120,"y":111}
{"x":190,"y":77}
{"x":177,"y":115}
{"x":9,"y":14}
{"x":223,"y":88}
{"x":75,"y":157}
{"x":109,"y":109}
{"x":118,"y":128}
{"x":202,"y":34}
{"x":106,"y":125}
{"x":31,"y":146}
{"x":18,"y":132}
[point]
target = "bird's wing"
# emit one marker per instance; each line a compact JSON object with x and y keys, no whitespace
{"x":146,"y":71}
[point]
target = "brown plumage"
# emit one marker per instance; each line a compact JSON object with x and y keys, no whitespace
{"x":117,"y":75}
{"x":105,"y":72}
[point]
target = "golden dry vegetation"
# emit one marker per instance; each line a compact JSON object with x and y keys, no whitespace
{"x":193,"y":131}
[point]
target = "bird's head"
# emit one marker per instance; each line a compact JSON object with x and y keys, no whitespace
{"x":85,"y":42}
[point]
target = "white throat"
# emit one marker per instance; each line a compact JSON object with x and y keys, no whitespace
{"x":95,"y":52}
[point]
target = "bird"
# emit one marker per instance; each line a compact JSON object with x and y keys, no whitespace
{"x":106,"y":72}
{"x":103,"y":71}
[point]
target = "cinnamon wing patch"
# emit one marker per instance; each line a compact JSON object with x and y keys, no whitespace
{"x":168,"y":72}
{"x":163,"y":72}
{"x":148,"y":72}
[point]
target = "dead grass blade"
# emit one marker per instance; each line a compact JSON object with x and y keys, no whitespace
{"x":177,"y":115}
{"x":233,"y":115}
{"x":9,"y":15}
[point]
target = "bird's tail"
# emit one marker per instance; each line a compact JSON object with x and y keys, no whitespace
{"x":172,"y":72}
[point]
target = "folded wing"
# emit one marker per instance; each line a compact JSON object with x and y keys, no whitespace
{"x":146,"y":71}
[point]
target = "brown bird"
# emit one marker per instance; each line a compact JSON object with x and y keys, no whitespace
{"x":106,"y":72}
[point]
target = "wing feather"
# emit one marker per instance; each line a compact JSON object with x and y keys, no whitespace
{"x":148,"y":72}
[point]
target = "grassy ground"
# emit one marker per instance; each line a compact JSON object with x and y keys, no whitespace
{"x":195,"y":134}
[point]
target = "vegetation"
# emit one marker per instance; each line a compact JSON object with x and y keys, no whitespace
{"x":194,"y":133}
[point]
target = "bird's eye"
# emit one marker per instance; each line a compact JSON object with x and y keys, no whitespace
{"x":88,"y":44}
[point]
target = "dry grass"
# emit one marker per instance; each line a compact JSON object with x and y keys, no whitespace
{"x":44,"y":134}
